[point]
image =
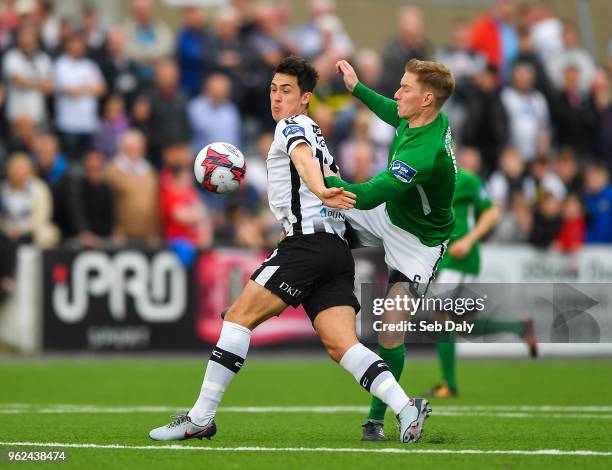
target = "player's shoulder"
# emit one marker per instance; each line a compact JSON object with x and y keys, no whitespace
{"x":294,"y":125}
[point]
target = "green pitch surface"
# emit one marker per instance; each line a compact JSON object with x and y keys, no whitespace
{"x":307,"y":413}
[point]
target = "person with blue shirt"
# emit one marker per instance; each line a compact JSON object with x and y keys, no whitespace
{"x":598,"y":203}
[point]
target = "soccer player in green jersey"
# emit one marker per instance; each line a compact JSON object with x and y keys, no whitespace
{"x":475,"y":216}
{"x":407,"y":208}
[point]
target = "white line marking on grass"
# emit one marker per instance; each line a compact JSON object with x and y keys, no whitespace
{"x":388,"y":450}
{"x":527,"y":408}
{"x":303,"y":409}
{"x":517,"y":412}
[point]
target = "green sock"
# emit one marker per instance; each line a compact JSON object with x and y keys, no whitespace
{"x":394,"y":358}
{"x":446,"y":353}
{"x":487,"y":326}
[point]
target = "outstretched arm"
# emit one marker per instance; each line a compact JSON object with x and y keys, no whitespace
{"x":310,"y":173}
{"x":385,"y":108}
{"x":381,"y":188}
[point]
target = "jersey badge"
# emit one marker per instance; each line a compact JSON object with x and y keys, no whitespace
{"x":402,"y":171}
{"x":293,"y":129}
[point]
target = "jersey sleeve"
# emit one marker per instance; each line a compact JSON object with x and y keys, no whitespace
{"x":385,"y":108}
{"x":482,"y":199}
{"x":292,"y":132}
{"x":408,"y":169}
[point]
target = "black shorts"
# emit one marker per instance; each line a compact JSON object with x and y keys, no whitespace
{"x":317,"y":271}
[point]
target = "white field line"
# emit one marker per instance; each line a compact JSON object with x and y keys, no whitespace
{"x":302,"y":409}
{"x":388,"y":450}
{"x":522,"y":412}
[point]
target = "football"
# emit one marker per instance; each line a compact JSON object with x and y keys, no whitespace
{"x":220,"y":168}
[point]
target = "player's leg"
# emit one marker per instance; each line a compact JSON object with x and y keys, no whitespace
{"x":483,"y":325}
{"x":332,"y":306}
{"x":392,"y":350}
{"x":336,"y":327}
{"x":412,"y":264}
{"x":445,"y":343}
{"x":524,"y":329}
{"x":366,"y":230}
{"x":445,"y":346}
{"x":254,"y":305}
{"x":367,"y":226}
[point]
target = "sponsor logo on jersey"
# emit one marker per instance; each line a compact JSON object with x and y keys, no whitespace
{"x":337,"y":215}
{"x":293,"y":129}
{"x":402,"y":171}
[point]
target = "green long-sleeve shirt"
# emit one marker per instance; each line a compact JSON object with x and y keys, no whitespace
{"x":419,"y":182}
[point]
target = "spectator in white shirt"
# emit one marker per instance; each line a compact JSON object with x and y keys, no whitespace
{"x":575,"y":56}
{"x":546,"y":30}
{"x":28,"y":73}
{"x":527,"y":112}
{"x":79,"y":84}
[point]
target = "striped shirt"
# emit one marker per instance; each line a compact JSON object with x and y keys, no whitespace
{"x":298,"y":210}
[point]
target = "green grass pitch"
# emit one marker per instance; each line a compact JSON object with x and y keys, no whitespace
{"x":512,"y":405}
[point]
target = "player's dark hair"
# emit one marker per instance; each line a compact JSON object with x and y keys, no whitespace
{"x":307,"y":75}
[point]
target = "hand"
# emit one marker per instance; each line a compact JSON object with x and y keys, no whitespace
{"x":460,"y":248}
{"x":348,"y":74}
{"x":338,"y":198}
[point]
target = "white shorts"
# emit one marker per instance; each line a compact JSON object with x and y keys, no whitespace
{"x":452,"y":276}
{"x":403,"y":251}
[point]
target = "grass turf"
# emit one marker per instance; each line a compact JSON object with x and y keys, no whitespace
{"x":310,"y":382}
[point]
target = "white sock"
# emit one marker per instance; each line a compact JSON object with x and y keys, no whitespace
{"x":225,"y":361}
{"x":373,"y":374}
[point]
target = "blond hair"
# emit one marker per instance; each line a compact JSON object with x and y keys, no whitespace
{"x":434,"y":76}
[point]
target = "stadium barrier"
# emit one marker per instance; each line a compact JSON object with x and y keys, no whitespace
{"x":143,"y":299}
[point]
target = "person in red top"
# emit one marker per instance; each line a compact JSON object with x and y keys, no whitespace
{"x":185,"y":221}
{"x":571,"y":236}
{"x":494,"y":36}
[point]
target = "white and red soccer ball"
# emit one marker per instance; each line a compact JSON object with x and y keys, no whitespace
{"x":219,"y":168}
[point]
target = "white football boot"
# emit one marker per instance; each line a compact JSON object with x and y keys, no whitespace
{"x":411,"y":419}
{"x":182,"y":428}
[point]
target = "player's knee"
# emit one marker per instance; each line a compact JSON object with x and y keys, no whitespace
{"x":337,"y":349}
{"x":237,"y":315}
{"x":334,"y":352}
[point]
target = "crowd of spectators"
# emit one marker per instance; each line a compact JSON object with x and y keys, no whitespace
{"x":100,"y":122}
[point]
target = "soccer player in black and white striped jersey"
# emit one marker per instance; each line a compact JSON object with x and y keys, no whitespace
{"x":312,"y":266}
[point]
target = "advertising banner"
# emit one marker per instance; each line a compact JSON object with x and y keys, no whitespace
{"x":123,"y":300}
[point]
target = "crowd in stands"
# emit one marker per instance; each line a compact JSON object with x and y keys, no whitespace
{"x":100,"y":122}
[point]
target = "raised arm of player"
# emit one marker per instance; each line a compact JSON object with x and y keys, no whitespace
{"x":486,"y":221}
{"x":385,"y":108}
{"x":310,"y":173}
